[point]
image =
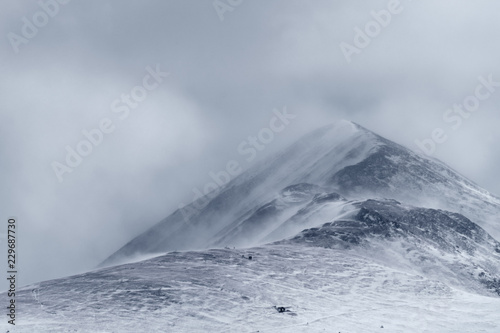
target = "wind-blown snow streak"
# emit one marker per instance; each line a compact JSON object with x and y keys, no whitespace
{"x":340,"y":160}
{"x":325,"y":290}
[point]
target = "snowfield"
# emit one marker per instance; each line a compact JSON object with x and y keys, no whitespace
{"x":325,"y":290}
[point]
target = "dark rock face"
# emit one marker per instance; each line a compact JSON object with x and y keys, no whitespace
{"x":301,"y":191}
{"x":390,"y":219}
{"x":393,"y":171}
{"x":448,"y":231}
{"x":327,"y":197}
{"x":428,"y":238}
{"x":492,"y":284}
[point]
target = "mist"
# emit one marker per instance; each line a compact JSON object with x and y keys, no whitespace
{"x":224,"y":74}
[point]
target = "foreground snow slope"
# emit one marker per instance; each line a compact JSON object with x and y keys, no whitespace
{"x":325,"y":290}
{"x":343,"y":160}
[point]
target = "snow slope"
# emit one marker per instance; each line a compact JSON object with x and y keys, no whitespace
{"x":324,"y":290}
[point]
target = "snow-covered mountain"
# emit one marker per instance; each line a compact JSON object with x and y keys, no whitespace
{"x":343,"y":231}
{"x":308,"y":184}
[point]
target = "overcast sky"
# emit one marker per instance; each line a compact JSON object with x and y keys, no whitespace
{"x":228,"y":70}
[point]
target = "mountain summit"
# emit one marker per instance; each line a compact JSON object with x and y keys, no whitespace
{"x":342,"y":231}
{"x":313,"y":181}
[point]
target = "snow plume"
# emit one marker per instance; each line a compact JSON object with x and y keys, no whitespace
{"x":337,"y":162}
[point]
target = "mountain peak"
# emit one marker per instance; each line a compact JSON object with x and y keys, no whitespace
{"x":339,"y":160}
